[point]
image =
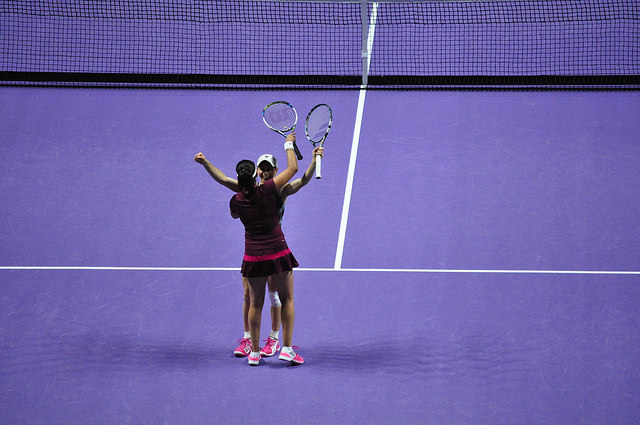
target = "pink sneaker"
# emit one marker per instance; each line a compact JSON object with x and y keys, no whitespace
{"x":291,"y":356}
{"x":244,"y":348}
{"x":271,"y":347}
{"x":254,"y":359}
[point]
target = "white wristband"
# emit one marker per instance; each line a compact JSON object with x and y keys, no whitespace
{"x":288,"y":145}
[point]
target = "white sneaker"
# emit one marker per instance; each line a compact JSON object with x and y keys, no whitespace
{"x":254,"y":359}
{"x":291,"y":356}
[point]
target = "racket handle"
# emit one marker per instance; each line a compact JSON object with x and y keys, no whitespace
{"x":297,"y":151}
{"x":318,"y":166}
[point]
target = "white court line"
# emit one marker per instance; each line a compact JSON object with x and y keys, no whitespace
{"x":347,"y":192}
{"x":479,"y":271}
{"x":354,"y":148}
{"x":116,"y":268}
{"x":321,"y":269}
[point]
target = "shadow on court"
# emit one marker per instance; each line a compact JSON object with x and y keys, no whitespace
{"x":108,"y":351}
{"x":481,"y":356}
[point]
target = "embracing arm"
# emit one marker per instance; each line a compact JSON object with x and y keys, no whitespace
{"x":217,"y":175}
{"x":292,"y":164}
{"x":297,"y":184}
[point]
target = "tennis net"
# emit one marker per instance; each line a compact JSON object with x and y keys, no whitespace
{"x":322,"y":44}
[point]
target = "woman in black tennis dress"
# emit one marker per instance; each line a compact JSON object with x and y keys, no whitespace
{"x":266,"y":252}
{"x":267,"y":170}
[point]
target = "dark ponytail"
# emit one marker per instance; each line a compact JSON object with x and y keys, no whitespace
{"x":246,"y":171}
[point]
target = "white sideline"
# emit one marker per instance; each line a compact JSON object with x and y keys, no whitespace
{"x":354,"y":147}
{"x":327,"y":269}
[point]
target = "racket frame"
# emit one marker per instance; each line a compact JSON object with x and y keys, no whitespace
{"x":321,"y":141}
{"x":286,"y":131}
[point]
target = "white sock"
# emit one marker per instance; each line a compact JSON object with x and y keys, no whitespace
{"x":274,"y":334}
{"x":287,"y":349}
{"x":247,"y":334}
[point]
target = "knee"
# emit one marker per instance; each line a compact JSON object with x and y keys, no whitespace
{"x":257,"y":302}
{"x":275,"y":299}
{"x":286,"y":301}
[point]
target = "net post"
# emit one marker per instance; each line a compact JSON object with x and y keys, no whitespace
{"x":365,"y":41}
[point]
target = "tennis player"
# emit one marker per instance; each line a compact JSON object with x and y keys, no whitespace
{"x":267,"y":170}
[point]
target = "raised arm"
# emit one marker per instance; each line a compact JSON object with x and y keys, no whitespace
{"x":292,"y":163}
{"x":217,"y":175}
{"x":297,"y":184}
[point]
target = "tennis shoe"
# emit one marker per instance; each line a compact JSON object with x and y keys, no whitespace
{"x":254,"y":359}
{"x":244,"y":348}
{"x":271,"y":347}
{"x":291,"y":356}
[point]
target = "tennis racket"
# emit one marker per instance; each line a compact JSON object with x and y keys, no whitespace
{"x":317,"y":128}
{"x":282,"y":118}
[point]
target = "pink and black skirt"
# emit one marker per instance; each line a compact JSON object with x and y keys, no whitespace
{"x":262,"y":263}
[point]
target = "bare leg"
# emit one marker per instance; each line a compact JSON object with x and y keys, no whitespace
{"x":257,"y":287}
{"x":275,"y":311}
{"x":284,"y":284}
{"x":246,"y":303}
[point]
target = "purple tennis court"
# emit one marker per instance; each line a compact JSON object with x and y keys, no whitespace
{"x":468,"y":257}
{"x":421,"y":322}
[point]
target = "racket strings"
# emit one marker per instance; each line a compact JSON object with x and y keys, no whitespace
{"x":280,"y":117}
{"x":318,"y":124}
